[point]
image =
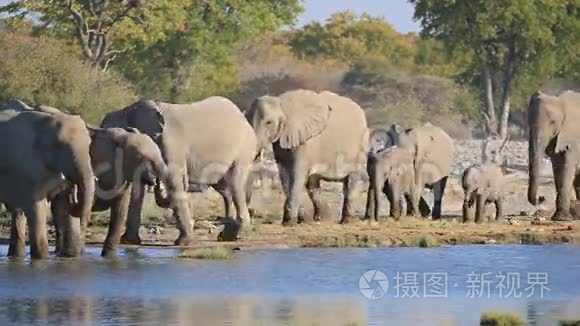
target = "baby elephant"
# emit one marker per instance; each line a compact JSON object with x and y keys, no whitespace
{"x":483,"y":183}
{"x":393,"y":173}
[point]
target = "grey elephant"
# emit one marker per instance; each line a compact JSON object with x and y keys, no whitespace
{"x":553,"y":124}
{"x":381,"y":139}
{"x":483,"y":183}
{"x":392,"y":173}
{"x":121,"y":159}
{"x":433,"y":153}
{"x":45,"y":153}
{"x":206,"y":143}
{"x":315,"y":136}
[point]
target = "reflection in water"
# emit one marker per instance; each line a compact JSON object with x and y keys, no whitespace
{"x":276,"y":287}
{"x":211,"y":311}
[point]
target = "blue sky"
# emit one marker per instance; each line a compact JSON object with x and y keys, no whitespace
{"x":397,"y":12}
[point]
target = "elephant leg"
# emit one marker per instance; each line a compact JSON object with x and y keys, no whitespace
{"x":223,"y":190}
{"x":469,"y":207}
{"x":499,"y":210}
{"x":349,"y":188}
{"x":69,"y":241}
{"x":314,"y":192}
{"x":564,"y":173}
{"x":131,"y":235}
{"x":17,"y":246}
{"x":119,"y":212}
{"x":438,"y":192}
{"x":297,"y":188}
{"x":236,"y":180}
{"x":370,"y":205}
{"x":36,"y":217}
{"x":396,"y":202}
{"x":182,"y":213}
{"x":480,"y":201}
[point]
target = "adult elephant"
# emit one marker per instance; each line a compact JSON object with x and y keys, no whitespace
{"x":121,"y":159}
{"x":315,"y":136}
{"x":433,"y":151}
{"x":46,"y":153}
{"x":553,"y":123}
{"x":208,"y":143}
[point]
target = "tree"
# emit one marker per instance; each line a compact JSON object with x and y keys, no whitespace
{"x":102,"y":28}
{"x":510,"y":41}
{"x":53,"y":74}
{"x":199,"y":57}
{"x":348,"y":38}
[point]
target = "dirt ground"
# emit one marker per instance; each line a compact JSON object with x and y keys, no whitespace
{"x":524,"y":224}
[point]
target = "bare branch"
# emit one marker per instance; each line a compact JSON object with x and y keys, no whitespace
{"x":80,"y":29}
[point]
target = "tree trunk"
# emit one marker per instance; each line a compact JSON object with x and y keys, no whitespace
{"x":489,"y":108}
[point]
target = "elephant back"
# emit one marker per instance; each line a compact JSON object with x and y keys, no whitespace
{"x":434,"y":150}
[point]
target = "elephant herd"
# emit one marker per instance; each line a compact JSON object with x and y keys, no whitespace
{"x":54,"y":161}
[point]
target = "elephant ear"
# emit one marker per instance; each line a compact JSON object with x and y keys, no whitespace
{"x":306,"y":117}
{"x":569,"y":134}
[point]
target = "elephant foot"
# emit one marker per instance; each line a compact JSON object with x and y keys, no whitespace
{"x":345,"y":220}
{"x":184,"y":240}
{"x":562,"y":217}
{"x":130,"y":239}
{"x":289,"y":222}
{"x":108,"y":253}
{"x":231,"y":232}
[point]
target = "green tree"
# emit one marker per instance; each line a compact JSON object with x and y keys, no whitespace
{"x":199,"y":57}
{"x":509,"y":41}
{"x":350,"y":38}
{"x":101,"y":28}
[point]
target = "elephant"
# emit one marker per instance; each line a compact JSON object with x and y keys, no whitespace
{"x":314,"y":136}
{"x":482,"y":184}
{"x":380,"y":139}
{"x":392,"y":173}
{"x":553,"y":131}
{"x":46,"y":153}
{"x":205,"y":143}
{"x":121,"y":159}
{"x":433,"y":153}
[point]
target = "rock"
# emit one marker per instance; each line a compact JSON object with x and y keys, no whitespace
{"x":512,"y":221}
{"x":156,"y":230}
{"x":490,"y":241}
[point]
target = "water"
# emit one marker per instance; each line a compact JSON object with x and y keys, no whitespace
{"x":290,"y":287}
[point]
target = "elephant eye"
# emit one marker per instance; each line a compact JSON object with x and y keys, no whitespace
{"x":269,"y":122}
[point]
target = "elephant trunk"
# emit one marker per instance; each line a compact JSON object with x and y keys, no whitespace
{"x":161,"y":195}
{"x":536,"y":148}
{"x":84,"y":179}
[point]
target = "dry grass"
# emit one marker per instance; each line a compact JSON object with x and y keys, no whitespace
{"x":211,"y":253}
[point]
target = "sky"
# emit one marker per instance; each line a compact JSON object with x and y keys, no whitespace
{"x":397,"y":12}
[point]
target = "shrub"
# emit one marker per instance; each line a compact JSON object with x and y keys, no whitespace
{"x":390,"y":97}
{"x":213,"y":253}
{"x":46,"y":71}
{"x":427,"y":242}
{"x":494,"y":318}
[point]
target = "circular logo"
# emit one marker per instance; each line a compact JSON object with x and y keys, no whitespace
{"x":373,"y":284}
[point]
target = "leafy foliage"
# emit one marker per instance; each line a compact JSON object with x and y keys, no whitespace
{"x":349,"y":38}
{"x":45,"y":71}
{"x":511,"y":42}
{"x":199,"y":58}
